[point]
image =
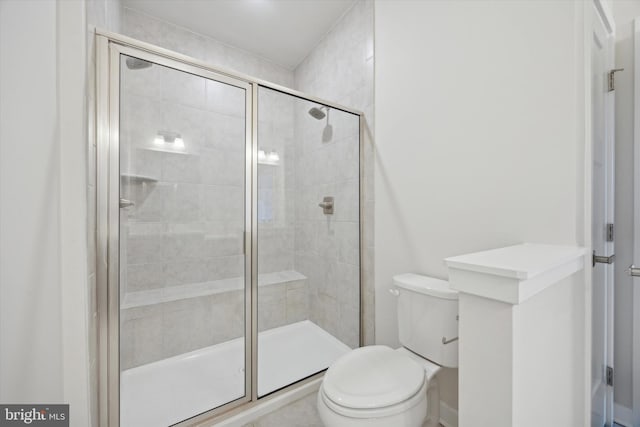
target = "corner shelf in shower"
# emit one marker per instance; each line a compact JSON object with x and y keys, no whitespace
{"x":167,"y":151}
{"x":137,"y":179}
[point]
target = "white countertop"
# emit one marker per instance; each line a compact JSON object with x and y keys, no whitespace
{"x":518,"y":271}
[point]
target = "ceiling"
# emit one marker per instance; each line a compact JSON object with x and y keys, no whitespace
{"x":284,"y":31}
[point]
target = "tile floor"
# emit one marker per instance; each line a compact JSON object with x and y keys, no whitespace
{"x":301,"y":413}
{"x":298,"y":414}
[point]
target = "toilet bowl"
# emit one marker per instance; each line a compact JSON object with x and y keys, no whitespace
{"x":376,"y":386}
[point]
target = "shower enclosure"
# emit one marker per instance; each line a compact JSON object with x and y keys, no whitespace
{"x":228,"y":236}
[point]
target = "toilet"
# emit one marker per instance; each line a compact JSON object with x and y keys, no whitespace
{"x":377,"y":386}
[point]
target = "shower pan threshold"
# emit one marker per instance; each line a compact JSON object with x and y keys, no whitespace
{"x":171,"y":390}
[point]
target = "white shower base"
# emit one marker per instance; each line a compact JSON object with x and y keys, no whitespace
{"x":171,"y":390}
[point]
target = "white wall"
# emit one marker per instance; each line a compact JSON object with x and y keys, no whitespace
{"x":477,"y":134}
{"x":624,"y":12}
{"x":43,"y":252}
{"x":30,"y":295}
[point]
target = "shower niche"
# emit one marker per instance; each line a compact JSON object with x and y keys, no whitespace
{"x":226,"y":280}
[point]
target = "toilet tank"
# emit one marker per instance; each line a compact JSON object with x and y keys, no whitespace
{"x":427,"y":313}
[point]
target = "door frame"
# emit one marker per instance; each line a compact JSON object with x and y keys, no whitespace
{"x":596,"y":9}
{"x":636,"y":226}
{"x":108,"y":212}
{"x":109,"y":46}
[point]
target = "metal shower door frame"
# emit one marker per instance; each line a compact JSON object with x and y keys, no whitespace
{"x":109,"y":48}
{"x":108,"y":167}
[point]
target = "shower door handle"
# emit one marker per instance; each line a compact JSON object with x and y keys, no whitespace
{"x":124,"y":203}
{"x":327,"y":205}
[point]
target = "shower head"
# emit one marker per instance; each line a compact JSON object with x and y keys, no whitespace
{"x":317,"y":113}
{"x":137,"y":63}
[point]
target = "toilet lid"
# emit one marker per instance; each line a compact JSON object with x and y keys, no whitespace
{"x":372,"y":377}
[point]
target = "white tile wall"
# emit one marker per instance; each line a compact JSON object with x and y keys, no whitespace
{"x":187,"y":227}
{"x":157,"y":331}
{"x":275,"y":184}
{"x":180,"y":213}
{"x":327,"y":246}
{"x":341,"y":69}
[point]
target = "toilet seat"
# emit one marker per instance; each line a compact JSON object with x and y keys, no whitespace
{"x":373,"y":381}
{"x":387,"y":411}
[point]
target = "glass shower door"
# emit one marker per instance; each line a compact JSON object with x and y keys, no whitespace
{"x":308,"y":237}
{"x":183,"y":271}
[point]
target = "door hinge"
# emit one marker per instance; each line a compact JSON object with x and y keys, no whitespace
{"x":609,"y":232}
{"x":611,"y":78}
{"x":609,"y":376}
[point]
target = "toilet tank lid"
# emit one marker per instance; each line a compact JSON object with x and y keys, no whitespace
{"x":425,"y":285}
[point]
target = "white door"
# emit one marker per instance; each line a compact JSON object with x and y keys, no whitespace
{"x":602,"y":214}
